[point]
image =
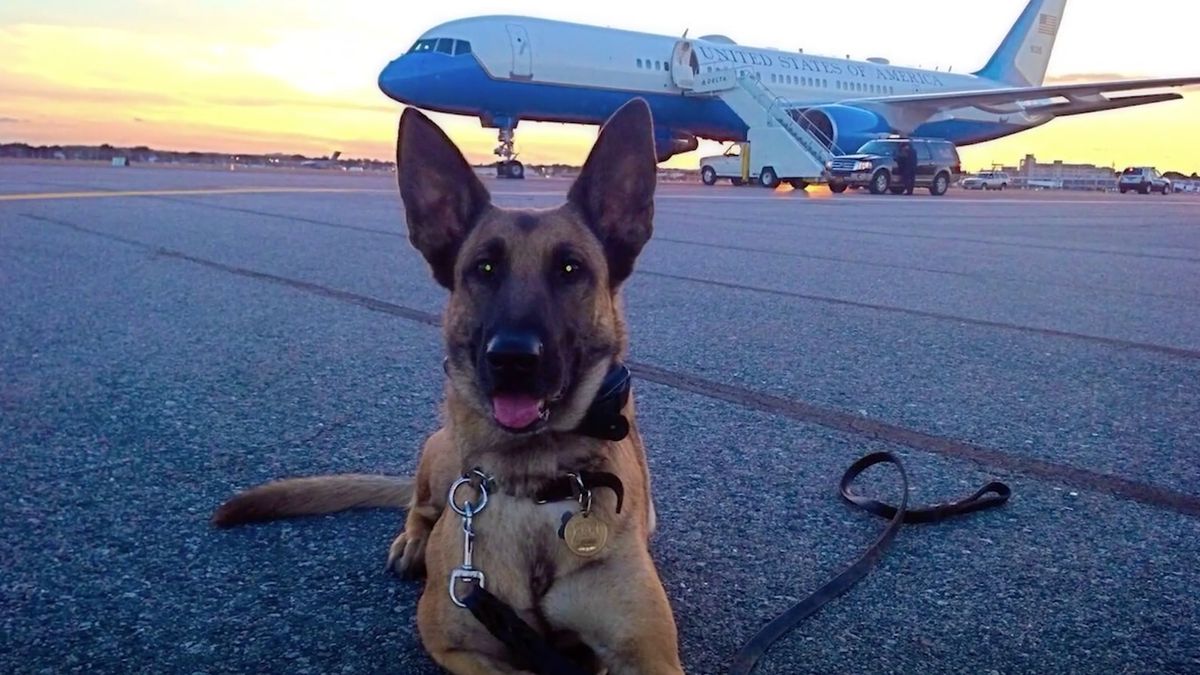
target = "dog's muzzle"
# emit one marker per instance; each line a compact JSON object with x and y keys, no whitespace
{"x":514,"y":361}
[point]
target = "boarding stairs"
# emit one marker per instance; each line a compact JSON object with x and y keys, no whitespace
{"x":795,"y":149}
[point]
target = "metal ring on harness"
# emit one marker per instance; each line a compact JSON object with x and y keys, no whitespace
{"x":470,"y":509}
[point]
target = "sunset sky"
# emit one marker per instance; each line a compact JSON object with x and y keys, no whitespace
{"x":290,"y":76}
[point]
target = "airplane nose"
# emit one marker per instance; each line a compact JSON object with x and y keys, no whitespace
{"x":434,"y":80}
{"x":397,"y":79}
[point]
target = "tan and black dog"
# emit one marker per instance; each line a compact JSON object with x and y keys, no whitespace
{"x":533,"y":329}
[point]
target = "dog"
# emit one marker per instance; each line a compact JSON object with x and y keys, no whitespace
{"x":536,"y":413}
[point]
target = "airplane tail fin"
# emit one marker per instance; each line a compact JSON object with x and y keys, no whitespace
{"x":1022,"y":57}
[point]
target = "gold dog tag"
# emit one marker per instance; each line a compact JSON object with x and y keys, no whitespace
{"x":585,"y":536}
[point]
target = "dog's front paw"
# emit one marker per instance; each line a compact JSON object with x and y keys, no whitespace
{"x":406,"y":557}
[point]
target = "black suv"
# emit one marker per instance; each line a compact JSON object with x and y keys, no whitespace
{"x":874,"y":166}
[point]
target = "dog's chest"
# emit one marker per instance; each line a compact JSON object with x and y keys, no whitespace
{"x":519,"y":545}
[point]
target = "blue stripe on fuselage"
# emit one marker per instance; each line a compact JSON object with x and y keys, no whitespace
{"x":460,"y":85}
{"x":966,"y":132}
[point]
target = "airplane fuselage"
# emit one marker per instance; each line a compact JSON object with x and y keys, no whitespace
{"x":504,"y":69}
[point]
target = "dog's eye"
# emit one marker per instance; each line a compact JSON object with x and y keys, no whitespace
{"x":486,"y":267}
{"x":571,"y":268}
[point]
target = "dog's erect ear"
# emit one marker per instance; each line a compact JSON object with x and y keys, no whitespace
{"x":615,"y":190}
{"x":443,"y":197}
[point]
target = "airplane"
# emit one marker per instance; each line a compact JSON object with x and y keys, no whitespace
{"x":324,"y":163}
{"x":504,"y":69}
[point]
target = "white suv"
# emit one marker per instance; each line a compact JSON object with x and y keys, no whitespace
{"x":986,"y":180}
{"x":1143,"y":179}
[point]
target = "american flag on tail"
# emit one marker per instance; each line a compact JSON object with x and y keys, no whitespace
{"x":1047,"y":24}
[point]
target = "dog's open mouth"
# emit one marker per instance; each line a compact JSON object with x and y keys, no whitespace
{"x":519,"y":412}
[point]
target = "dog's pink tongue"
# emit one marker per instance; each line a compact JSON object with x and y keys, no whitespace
{"x":515,"y":411}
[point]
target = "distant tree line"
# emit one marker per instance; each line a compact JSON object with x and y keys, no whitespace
{"x":143,"y":154}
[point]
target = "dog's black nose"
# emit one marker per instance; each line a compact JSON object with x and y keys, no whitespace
{"x":514,"y":353}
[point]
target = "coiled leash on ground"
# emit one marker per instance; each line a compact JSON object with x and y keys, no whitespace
{"x":535,"y":653}
{"x":991,"y":495}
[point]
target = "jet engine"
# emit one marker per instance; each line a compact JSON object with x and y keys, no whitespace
{"x":844,"y":128}
{"x":669,"y":143}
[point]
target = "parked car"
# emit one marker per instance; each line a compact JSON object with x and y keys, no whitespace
{"x":987,"y":180}
{"x":874,"y":166}
{"x":1143,"y":179}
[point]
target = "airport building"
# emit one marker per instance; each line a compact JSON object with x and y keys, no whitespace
{"x":1062,"y":176}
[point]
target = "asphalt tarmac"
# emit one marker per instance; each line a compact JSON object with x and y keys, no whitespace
{"x":171,"y":336}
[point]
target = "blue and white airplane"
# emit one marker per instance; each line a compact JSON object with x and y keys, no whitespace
{"x":504,"y":69}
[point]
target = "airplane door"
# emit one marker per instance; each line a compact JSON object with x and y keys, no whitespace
{"x":684,"y":65}
{"x":522,"y":50}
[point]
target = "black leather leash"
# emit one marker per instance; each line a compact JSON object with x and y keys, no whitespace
{"x":991,"y":495}
{"x":605,"y":421}
{"x":529,"y":649}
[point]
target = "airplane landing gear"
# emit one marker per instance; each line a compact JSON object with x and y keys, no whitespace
{"x":508,"y":166}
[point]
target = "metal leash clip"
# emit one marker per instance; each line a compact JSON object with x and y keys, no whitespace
{"x":466,"y":573}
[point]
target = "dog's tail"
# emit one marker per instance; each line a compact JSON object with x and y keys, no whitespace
{"x":312,"y":496}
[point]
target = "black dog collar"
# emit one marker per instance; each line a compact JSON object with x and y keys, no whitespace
{"x":572,"y":486}
{"x":604,"y":419}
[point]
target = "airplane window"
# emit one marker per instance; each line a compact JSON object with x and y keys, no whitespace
{"x":462,"y":47}
{"x":639,"y":63}
{"x":445,"y":46}
{"x":422,"y":46}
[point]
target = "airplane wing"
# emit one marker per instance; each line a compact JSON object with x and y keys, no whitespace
{"x":1079,"y":98}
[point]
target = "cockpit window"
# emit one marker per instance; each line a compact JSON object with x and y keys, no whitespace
{"x":422,"y":46}
{"x":442,"y":46}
